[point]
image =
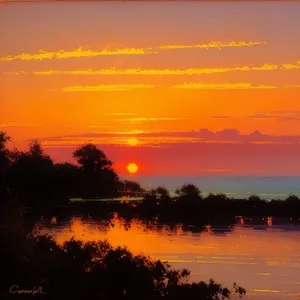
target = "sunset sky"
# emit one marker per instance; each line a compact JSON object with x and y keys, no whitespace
{"x":177,"y":88}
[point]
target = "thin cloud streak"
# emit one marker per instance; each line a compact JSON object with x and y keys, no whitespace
{"x":162,"y":72}
{"x":292,"y":67}
{"x":223,"y":86}
{"x":274,"y":115}
{"x":115,"y":71}
{"x":184,"y":86}
{"x":140,"y":142}
{"x":293,"y":86}
{"x":107,"y":88}
{"x":213,"y":44}
{"x":166,"y":138}
{"x":143,"y":119}
{"x":80,"y":52}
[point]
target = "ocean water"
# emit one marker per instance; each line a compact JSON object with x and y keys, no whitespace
{"x":235,"y":187}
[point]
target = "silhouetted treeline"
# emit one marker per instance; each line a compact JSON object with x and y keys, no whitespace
{"x":91,"y":270}
{"x":34,"y":178}
{"x":190,"y":205}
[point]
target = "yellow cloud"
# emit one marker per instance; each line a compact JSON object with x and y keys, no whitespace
{"x":80,"y":52}
{"x":142,"y":119}
{"x":115,"y":71}
{"x":291,"y":67}
{"x":163,"y":72}
{"x":266,"y":291}
{"x":292,"y":86}
{"x":186,"y":85}
{"x":107,"y":88}
{"x":219,"y":45}
{"x":62,"y":54}
{"x":223,"y":86}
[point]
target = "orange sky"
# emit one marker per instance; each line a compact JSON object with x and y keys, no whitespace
{"x":144,"y":68}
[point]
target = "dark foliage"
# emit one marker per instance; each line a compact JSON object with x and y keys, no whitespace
{"x":93,"y":270}
{"x":37,"y":181}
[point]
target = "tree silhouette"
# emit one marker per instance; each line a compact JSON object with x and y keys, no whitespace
{"x":189,"y":190}
{"x":66,"y":180}
{"x":91,"y":159}
{"x":132,"y":186}
{"x":4,"y":164}
{"x":162,"y":192}
{"x":98,"y":179}
{"x":254,"y":198}
{"x":31,"y":175}
{"x":217,"y":198}
{"x":162,"y":195}
{"x":292,"y":199}
{"x":293,"y":205}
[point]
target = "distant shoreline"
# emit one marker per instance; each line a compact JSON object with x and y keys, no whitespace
{"x":237,"y":187}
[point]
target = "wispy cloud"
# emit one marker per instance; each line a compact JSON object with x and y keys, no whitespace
{"x":79,"y":52}
{"x":164,"y":138}
{"x":291,"y":66}
{"x":189,"y":71}
{"x":144,"y":119}
{"x":184,"y":86}
{"x":162,"y":72}
{"x":213,"y":44}
{"x":107,"y":88}
{"x":293,"y":86}
{"x":275,"y":115}
{"x":129,"y":132}
{"x":120,"y":141}
{"x":224,"y":86}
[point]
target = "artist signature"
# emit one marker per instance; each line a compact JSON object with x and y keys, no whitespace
{"x":15,"y":289}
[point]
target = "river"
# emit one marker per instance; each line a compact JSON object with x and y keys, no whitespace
{"x":261,"y":255}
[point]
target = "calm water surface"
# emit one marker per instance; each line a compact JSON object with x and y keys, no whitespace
{"x":264,"y":258}
{"x":234,"y":187}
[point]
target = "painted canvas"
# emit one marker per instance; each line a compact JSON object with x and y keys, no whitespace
{"x":150,"y":150}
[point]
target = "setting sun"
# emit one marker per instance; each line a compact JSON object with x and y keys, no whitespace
{"x":132,"y":141}
{"x":132,"y":168}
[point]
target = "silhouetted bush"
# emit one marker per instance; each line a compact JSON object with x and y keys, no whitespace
{"x":94,"y":270}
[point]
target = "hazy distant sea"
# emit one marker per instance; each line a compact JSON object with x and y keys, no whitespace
{"x":234,"y":187}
